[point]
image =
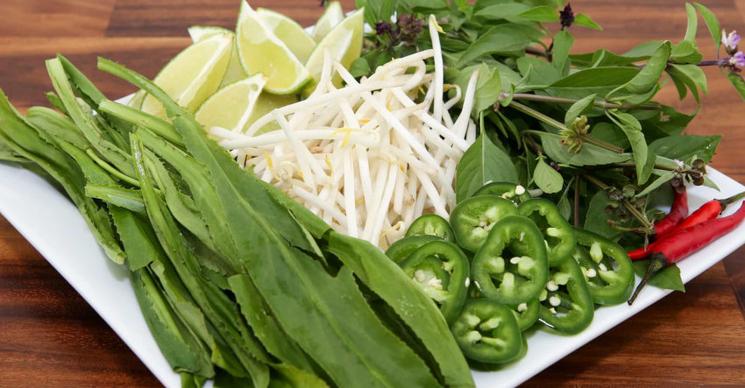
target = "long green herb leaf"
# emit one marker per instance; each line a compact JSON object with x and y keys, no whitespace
{"x":84,"y":121}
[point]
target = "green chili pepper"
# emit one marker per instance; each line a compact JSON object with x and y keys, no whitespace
{"x":526,"y":313}
{"x":559,"y":235}
{"x":506,"y":190}
{"x":473,"y":218}
{"x":431,"y":225}
{"x":566,"y":304}
{"x":511,"y":267}
{"x":487,"y":332}
{"x":440,"y":268}
{"x":400,"y":250}
{"x":606,"y":267}
{"x":485,"y":367}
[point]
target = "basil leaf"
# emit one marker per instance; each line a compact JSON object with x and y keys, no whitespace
{"x":643,"y":50}
{"x":360,"y":67}
{"x":598,"y":80}
{"x":603,"y":57}
{"x":589,"y":155}
{"x":610,"y":133}
{"x":546,"y":178}
{"x":423,"y":4}
{"x":712,"y":23}
{"x":665,"y":122}
{"x":738,"y":83}
{"x":662,"y":179}
{"x":543,"y":13}
{"x":692,"y":26}
{"x":537,"y":71}
{"x":684,"y":147}
{"x":502,"y":11}
{"x":650,"y":74}
{"x":692,"y":76}
{"x":668,"y":278}
{"x":583,"y":20}
{"x":685,"y":52}
{"x":376,"y":11}
{"x":483,"y":162}
{"x":503,"y":39}
{"x":563,"y":42}
{"x":578,"y":108}
{"x":710,"y":183}
{"x":488,"y":86}
{"x":633,"y":130}
{"x":596,"y":219}
{"x":509,"y":78}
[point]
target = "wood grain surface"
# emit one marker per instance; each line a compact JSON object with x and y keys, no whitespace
{"x":50,"y":337}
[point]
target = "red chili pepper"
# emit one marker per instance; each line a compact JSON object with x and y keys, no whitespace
{"x":679,"y":245}
{"x":678,"y":211}
{"x":708,"y":211}
{"x":639,"y":253}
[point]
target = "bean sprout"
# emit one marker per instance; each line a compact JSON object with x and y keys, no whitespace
{"x":372,"y":155}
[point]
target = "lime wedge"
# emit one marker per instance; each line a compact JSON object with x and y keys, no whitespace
{"x":231,"y":106}
{"x":289,"y":32}
{"x":265,"y":104}
{"x":260,"y":51}
{"x":193,"y":75}
{"x":332,"y":16}
{"x":200,"y":33}
{"x":343,"y":43}
{"x":235,"y":70}
{"x":136,"y":100}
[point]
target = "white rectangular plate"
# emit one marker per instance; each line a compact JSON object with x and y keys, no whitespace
{"x":52,"y":224}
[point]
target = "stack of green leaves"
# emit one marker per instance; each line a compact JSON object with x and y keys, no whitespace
{"x":236,"y":281}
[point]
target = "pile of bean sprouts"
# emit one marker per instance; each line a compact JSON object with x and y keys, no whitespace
{"x":371,"y":156}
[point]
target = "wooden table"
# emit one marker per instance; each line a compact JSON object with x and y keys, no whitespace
{"x":50,"y":337}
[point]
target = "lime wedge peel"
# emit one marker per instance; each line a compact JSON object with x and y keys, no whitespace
{"x":194,"y":74}
{"x":232,"y":106}
{"x":332,"y":16}
{"x":199,"y":33}
{"x":260,"y":51}
{"x":343,"y":43}
{"x":235,"y":71}
{"x":288,"y":31}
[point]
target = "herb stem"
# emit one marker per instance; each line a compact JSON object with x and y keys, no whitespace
{"x":575,"y":209}
{"x":597,"y":182}
{"x":631,"y":209}
{"x":110,"y":169}
{"x":556,"y":124}
{"x":536,"y":51}
{"x":532,"y":144}
{"x":536,"y":114}
{"x":713,"y":62}
{"x":661,"y":163}
{"x":562,"y":100}
{"x":602,"y":144}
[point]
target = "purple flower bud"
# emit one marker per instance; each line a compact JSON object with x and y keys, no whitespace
{"x":730,"y":41}
{"x":566,"y":16}
{"x":738,"y":59}
{"x":382,"y":28}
